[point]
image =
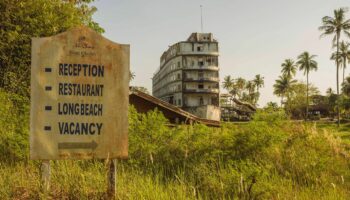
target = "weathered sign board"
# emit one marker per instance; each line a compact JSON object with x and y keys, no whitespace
{"x":79,"y":97}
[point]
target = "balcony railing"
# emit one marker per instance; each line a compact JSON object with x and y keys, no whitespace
{"x":215,"y":79}
{"x":203,"y":67}
{"x":204,"y":52}
{"x":209,"y":90}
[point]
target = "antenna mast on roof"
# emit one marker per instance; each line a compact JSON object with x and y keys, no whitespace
{"x":201,"y":19}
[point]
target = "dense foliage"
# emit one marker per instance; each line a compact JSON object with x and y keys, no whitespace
{"x":268,"y":158}
{"x":243,"y":90}
{"x":23,"y":19}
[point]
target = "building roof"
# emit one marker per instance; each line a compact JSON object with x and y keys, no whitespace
{"x":201,"y":37}
{"x":144,"y":102}
{"x":250,"y":106}
{"x":245,"y":105}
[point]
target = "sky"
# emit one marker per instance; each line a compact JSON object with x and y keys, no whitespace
{"x":255,"y":36}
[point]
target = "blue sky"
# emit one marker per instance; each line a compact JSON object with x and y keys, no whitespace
{"x":255,"y":36}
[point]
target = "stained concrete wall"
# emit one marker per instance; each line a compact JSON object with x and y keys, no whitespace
{"x":206,"y":111}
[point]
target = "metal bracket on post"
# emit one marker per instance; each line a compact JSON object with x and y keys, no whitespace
{"x":112,"y":180}
{"x":45,"y":176}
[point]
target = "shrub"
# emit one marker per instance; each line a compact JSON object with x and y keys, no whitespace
{"x":267,"y":158}
{"x":14,"y":123}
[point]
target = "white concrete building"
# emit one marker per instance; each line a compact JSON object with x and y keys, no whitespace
{"x":188,"y":76}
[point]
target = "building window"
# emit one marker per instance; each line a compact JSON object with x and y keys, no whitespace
{"x":200,"y":75}
{"x":209,"y":60}
{"x":178,"y":64}
{"x":201,"y":101}
{"x":200,"y":63}
{"x":179,"y":102}
{"x":200,"y":86}
{"x":199,"y":48}
{"x":184,"y":62}
{"x":214,"y":101}
{"x":179,"y":76}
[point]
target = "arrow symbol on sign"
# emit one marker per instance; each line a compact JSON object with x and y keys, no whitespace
{"x":78,"y":145}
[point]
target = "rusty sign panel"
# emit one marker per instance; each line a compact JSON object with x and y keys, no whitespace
{"x":79,"y":96}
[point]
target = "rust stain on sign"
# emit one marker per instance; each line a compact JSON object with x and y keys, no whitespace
{"x":79,"y":96}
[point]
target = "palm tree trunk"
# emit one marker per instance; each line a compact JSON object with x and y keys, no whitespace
{"x":289,"y":111}
{"x":307,"y":95}
{"x":344,"y":66}
{"x":281,"y":101}
{"x":337,"y":61}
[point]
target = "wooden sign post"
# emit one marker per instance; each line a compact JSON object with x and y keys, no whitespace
{"x":79,"y":97}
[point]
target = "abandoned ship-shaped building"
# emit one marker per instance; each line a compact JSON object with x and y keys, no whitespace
{"x":188,"y":76}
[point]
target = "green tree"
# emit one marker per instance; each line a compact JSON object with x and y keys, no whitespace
{"x":332,"y":99}
{"x":344,"y":53}
{"x":346,"y":86}
{"x":258,"y":81}
{"x":307,"y":64}
{"x":250,"y":86}
{"x":329,"y":91}
{"x":141,"y":89}
{"x":271,"y":106}
{"x":234,"y":91}
{"x":240,"y":84}
{"x":336,"y":57}
{"x":342,"y":57}
{"x":23,"y":19}
{"x":336,"y":26}
{"x":282,"y":87}
{"x":289,"y":68}
{"x":228,"y":83}
{"x":132,"y":75}
{"x":298,"y":95}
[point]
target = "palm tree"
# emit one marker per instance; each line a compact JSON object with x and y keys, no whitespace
{"x":131,"y":75}
{"x":228,"y":83}
{"x":329,"y":91}
{"x":282,"y":86}
{"x":335,"y":56}
{"x":258,"y":82}
{"x":250,"y":86}
{"x":234,"y":91}
{"x":346,"y":86}
{"x":240,"y":83}
{"x":344,"y":53}
{"x":272,"y":105}
{"x":335,"y":26}
{"x":289,"y":68}
{"x":307,"y":63}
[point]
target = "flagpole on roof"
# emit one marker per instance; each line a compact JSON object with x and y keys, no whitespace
{"x":201,"y":18}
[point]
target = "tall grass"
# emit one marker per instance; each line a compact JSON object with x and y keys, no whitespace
{"x":268,"y":158}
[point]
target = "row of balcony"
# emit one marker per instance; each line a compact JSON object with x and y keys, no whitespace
{"x":202,"y":52}
{"x":202,"y":67}
{"x":202,"y":90}
{"x":184,"y":90}
{"x":196,"y":67}
{"x":213,"y":79}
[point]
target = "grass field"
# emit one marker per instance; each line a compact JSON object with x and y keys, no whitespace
{"x":342,"y":132}
{"x":267,"y":158}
